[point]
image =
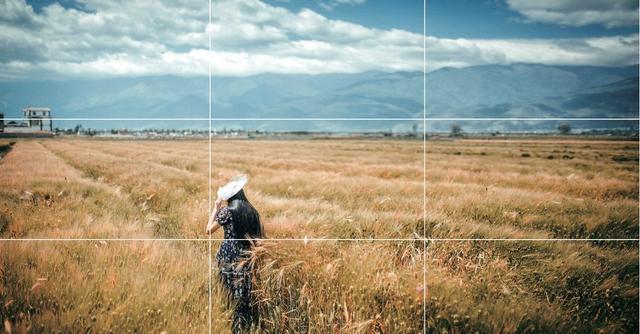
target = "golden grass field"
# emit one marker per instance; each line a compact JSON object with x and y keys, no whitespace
{"x":327,"y":189}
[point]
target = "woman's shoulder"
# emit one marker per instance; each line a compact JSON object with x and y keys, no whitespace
{"x":224,"y":215}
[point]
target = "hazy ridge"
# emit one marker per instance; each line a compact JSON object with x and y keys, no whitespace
{"x":492,"y":91}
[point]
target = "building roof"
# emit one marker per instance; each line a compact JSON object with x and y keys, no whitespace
{"x":36,"y":109}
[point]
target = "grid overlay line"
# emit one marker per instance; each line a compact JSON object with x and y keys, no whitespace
{"x":424,"y":166}
{"x":210,"y":271}
{"x":327,"y":239}
{"x":370,"y":119}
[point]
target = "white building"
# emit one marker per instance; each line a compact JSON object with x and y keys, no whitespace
{"x":38,"y":118}
{"x":37,"y":121}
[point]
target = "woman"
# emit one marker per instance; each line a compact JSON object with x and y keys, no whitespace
{"x":241,"y":224}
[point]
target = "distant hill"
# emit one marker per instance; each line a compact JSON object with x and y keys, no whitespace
{"x":523,"y":90}
{"x":361,"y":95}
{"x":519,"y":90}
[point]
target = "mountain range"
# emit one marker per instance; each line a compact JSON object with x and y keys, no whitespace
{"x":488,"y":91}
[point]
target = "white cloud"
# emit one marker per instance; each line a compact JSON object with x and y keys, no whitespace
{"x":331,"y":4}
{"x":351,"y":2}
{"x":105,"y":38}
{"x":610,"y":13}
{"x":305,"y":42}
{"x":603,"y":51}
{"x":134,"y":38}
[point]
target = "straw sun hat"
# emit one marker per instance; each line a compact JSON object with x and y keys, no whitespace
{"x":232,"y":187}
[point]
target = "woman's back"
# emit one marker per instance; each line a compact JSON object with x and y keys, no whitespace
{"x":233,"y":246}
{"x":241,"y":224}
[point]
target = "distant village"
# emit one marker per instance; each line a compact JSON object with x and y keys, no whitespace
{"x":37,"y":122}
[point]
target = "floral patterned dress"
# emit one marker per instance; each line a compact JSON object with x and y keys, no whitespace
{"x":237,"y":281}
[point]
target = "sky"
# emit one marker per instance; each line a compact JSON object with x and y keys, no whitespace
{"x":531,"y":19}
{"x":107,"y":38}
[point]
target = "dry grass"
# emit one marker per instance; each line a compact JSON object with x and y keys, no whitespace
{"x":339,"y":189}
{"x":513,"y":189}
{"x":515,"y":287}
{"x":532,"y":189}
{"x":324,"y":189}
{"x":80,"y":286}
{"x":343,"y":287}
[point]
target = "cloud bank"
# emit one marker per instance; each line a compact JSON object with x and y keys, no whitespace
{"x":610,"y":13}
{"x":171,"y":37}
{"x":601,"y":51}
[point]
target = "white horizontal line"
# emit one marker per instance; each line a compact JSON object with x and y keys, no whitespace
{"x":222,"y":119}
{"x":318,"y":239}
{"x":432,"y":119}
{"x":528,"y":239}
{"x":108,"y":119}
{"x":532,"y":119}
{"x":201,"y":239}
{"x":104,"y":239}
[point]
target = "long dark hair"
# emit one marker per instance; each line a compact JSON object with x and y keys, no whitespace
{"x":247,"y":218}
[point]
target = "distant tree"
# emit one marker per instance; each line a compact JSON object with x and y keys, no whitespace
{"x":564,"y":128}
{"x":77,"y":129}
{"x":456,"y":130}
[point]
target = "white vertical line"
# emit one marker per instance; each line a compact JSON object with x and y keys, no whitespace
{"x":424,"y":166}
{"x":638,"y":236}
{"x":209,"y":178}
